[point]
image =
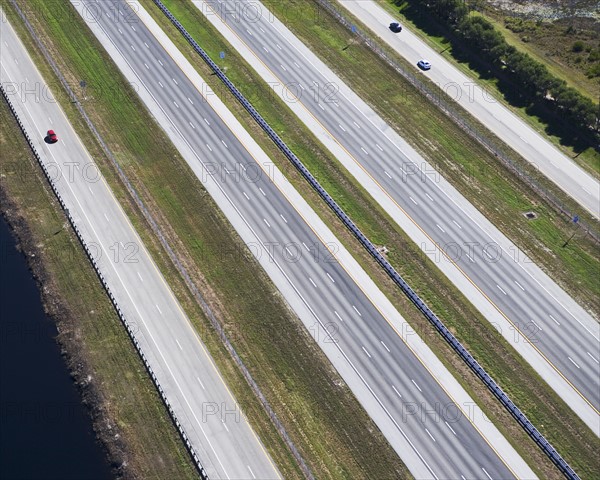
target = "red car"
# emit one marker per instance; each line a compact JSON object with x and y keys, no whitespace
{"x":52,"y":138}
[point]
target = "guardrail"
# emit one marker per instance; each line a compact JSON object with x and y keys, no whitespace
{"x":126,"y":324}
{"x":214,"y":321}
{"x":459,"y":117}
{"x":532,"y":431}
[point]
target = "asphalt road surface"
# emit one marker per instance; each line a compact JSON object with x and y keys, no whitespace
{"x":541,"y":314}
{"x":440,"y":435}
{"x":220,"y":434}
{"x":511,"y":129}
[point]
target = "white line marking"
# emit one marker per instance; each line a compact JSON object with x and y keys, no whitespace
{"x":106,"y":217}
{"x":443,"y":231}
{"x":179,"y":345}
{"x":265,"y":49}
{"x":284,"y":69}
{"x":413,"y":200}
{"x":161,"y":85}
{"x":161,"y":64}
{"x":399,"y":394}
{"x":356,"y":124}
{"x":140,"y":277}
{"x":313,"y":283}
{"x":470,"y":258}
{"x":519,"y":285}
{"x":321,"y":106}
{"x":223,"y":142}
{"x":224,"y":424}
{"x":175,"y":103}
{"x":245,"y":195}
{"x":500,"y":288}
{"x":594,"y":359}
{"x":133,"y":48}
{"x":338,"y":315}
{"x":243,"y":168}
{"x":330,"y":277}
{"x":377,"y":145}
{"x":146,"y":65}
{"x":158,"y":308}
{"x":262,"y":29}
{"x":278,"y":46}
{"x":300,"y":85}
{"x":262,"y":191}
{"x":343,"y":129}
{"x":537,"y":326}
{"x":147,"y":46}
{"x":267,"y":222}
{"x":429,"y":197}
{"x":120,"y":31}
{"x":554,"y":320}
{"x":487,"y":253}
{"x":90,"y":189}
{"x":283,"y":218}
{"x":296,"y":65}
{"x":356,"y":309}
{"x":200,"y":382}
{"x":573,"y":362}
{"x":387,"y":174}
{"x":368,"y":354}
{"x":451,"y":429}
{"x":208,"y":146}
{"x":190,"y":100}
{"x":251,"y":472}
{"x":364,"y":150}
{"x":175,"y":81}
{"x":488,"y":475}
{"x":454,"y":221}
{"x":430,"y":435}
{"x":305,"y":246}
{"x":385,"y":346}
{"x":249,"y":32}
{"x":207,"y":122}
{"x":192,"y":125}
{"x":133,"y":28}
{"x":416,"y":385}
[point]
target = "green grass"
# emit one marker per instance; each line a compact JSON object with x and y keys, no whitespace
{"x":588,"y":158}
{"x":325,"y":421}
{"x":90,"y":330}
{"x":533,"y":395}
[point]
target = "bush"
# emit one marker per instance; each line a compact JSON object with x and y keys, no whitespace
{"x":577,"y":46}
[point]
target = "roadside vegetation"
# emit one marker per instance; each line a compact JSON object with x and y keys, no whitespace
{"x":129,"y":417}
{"x":530,"y":392}
{"x":329,"y":427}
{"x":523,"y":81}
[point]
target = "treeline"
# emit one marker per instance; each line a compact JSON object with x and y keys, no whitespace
{"x":534,"y":82}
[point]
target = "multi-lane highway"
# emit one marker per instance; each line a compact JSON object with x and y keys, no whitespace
{"x":424,"y":413}
{"x":557,"y":336}
{"x":530,"y":144}
{"x":210,"y":416}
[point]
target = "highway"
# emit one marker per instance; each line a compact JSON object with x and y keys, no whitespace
{"x":220,"y":434}
{"x":556,"y":335}
{"x":423,"y":412}
{"x":509,"y":127}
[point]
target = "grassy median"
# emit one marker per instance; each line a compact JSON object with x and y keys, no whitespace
{"x":327,"y":424}
{"x":588,"y":158}
{"x":532,"y":394}
{"x":129,"y":416}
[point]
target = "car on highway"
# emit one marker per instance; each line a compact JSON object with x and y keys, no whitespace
{"x":395,"y":27}
{"x":52,"y":138}
{"x":424,"y":64}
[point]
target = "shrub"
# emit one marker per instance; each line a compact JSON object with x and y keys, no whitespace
{"x":577,"y":46}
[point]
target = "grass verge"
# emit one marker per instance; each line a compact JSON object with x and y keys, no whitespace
{"x":129,"y":416}
{"x":330,"y":428}
{"x":532,"y":394}
{"x":588,"y":158}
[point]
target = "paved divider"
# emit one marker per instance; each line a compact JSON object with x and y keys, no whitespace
{"x":90,"y":255}
{"x":532,"y":431}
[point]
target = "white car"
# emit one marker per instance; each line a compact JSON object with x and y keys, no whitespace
{"x":424,"y":64}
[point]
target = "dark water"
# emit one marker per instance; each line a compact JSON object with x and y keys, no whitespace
{"x":45,"y":432}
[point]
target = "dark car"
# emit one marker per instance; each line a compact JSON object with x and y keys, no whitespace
{"x":52,"y":138}
{"x":395,"y":27}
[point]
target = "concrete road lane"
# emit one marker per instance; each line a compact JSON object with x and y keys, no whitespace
{"x":209,"y":414}
{"x":423,"y":412}
{"x":510,"y":128}
{"x":556,"y":335}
